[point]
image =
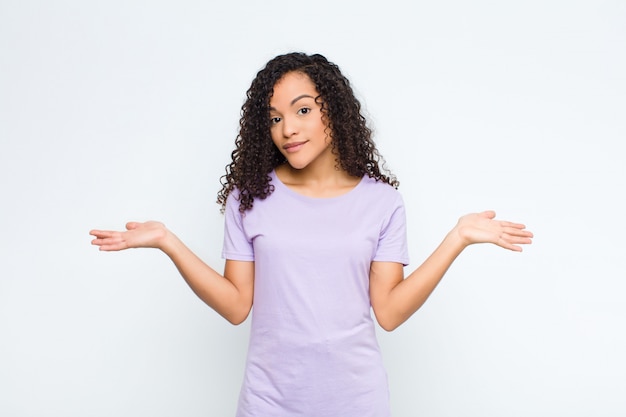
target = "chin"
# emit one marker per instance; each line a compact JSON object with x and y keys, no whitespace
{"x":298,"y":167}
{"x":297,"y":164}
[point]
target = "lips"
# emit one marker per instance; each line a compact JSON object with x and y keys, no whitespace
{"x":293,"y":146}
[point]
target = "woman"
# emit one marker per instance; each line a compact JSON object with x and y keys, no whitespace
{"x":315,"y":238}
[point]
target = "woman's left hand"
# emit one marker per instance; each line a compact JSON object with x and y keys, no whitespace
{"x":483,"y":228}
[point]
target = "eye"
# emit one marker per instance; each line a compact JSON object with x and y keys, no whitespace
{"x":304,"y":110}
{"x":275,"y":120}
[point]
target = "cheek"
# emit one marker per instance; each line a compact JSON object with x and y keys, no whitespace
{"x":275,"y":139}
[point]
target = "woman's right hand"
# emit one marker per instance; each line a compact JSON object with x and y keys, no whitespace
{"x":137,"y":235}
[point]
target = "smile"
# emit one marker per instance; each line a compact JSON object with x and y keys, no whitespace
{"x":293,"y":146}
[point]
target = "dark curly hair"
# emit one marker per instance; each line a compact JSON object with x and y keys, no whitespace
{"x":255,"y":154}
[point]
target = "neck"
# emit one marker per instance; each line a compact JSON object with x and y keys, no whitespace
{"x":320,"y":182}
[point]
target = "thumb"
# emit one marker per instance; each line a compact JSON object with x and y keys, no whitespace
{"x":132,"y":225}
{"x":488,"y":214}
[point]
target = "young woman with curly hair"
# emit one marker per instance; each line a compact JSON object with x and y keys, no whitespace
{"x":315,"y":239}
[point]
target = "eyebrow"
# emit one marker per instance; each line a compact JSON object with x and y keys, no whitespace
{"x":296,"y":99}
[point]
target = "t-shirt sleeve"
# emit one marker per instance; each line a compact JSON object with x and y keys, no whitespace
{"x":392,"y":242}
{"x":237,"y":246}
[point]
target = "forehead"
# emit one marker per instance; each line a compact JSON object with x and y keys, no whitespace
{"x":292,"y":85}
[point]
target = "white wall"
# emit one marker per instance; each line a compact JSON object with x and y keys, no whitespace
{"x":127,"y":110}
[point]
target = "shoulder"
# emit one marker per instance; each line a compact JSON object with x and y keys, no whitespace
{"x":379,"y":196}
{"x":233,"y":198}
{"x":379,"y":188}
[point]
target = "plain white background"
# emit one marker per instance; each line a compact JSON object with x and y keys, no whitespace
{"x":127,"y":110}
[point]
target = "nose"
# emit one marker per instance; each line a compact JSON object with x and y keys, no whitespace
{"x":290,"y":127}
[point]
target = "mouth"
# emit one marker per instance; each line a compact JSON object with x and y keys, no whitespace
{"x":293,"y":146}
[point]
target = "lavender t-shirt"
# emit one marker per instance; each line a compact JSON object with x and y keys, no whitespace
{"x":313,"y":349}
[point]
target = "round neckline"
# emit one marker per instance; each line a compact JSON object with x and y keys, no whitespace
{"x":277,"y":181}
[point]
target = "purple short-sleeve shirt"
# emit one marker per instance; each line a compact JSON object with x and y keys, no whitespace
{"x":313,"y":349}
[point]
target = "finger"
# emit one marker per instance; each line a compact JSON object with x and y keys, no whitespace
{"x":100,"y":241}
{"x":515,"y":231}
{"x":102,"y":234}
{"x":513,"y":241}
{"x":109,"y":248}
{"x":111,"y":244}
{"x":512,"y":224}
{"x":519,"y":240}
{"x":508,"y":245}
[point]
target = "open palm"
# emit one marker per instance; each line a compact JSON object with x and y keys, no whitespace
{"x":483,"y":228}
{"x":137,"y":235}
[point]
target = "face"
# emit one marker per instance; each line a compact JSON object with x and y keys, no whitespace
{"x":297,"y":127}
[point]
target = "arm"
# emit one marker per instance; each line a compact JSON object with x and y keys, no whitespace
{"x":394,"y":299}
{"x":230,"y":294}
